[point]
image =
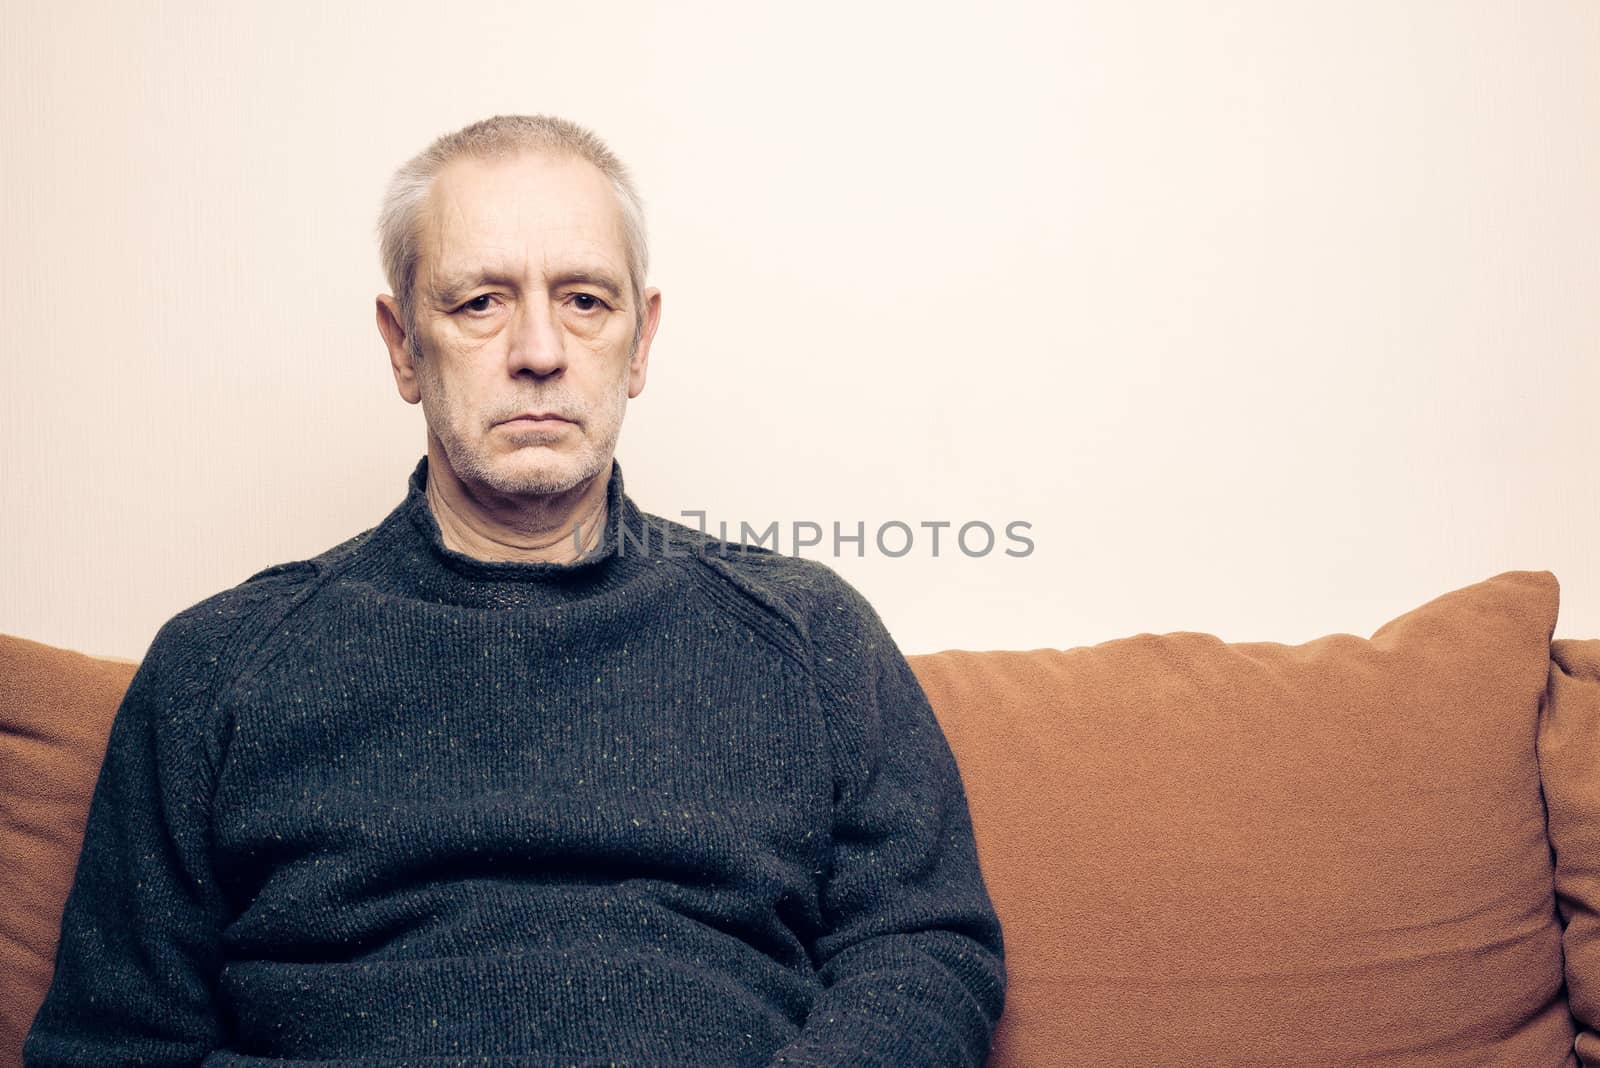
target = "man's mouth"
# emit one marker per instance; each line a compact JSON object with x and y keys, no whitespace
{"x":537,"y":420}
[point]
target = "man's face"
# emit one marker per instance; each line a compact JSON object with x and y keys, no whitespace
{"x":523,"y":305}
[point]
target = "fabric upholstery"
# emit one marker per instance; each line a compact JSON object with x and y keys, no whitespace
{"x":56,"y":708}
{"x":1261,"y":854}
{"x":1569,"y":757}
{"x":1202,"y":852}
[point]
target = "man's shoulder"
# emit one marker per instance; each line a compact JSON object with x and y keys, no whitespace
{"x":215,"y":628}
{"x":808,"y":597}
{"x":269,"y":589}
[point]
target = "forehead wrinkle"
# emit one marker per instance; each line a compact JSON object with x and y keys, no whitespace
{"x":493,"y":260}
{"x":490,"y":233}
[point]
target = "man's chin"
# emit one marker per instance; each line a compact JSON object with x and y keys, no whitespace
{"x":536,"y":471}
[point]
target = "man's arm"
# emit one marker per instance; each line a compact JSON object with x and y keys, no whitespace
{"x":140,"y":935}
{"x":912,"y":958}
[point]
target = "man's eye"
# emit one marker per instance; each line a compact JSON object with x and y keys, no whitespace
{"x":476,"y":303}
{"x":586,"y":301}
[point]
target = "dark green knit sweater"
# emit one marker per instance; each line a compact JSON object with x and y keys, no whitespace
{"x":394,"y":805}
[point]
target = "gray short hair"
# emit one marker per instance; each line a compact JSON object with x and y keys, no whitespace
{"x":497,"y":138}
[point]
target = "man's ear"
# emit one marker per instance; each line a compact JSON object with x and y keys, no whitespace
{"x":400,"y":357}
{"x":641,"y":354}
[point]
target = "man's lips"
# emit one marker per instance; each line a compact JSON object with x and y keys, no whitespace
{"x":536,"y":419}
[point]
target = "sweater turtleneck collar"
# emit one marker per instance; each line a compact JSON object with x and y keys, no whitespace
{"x":619,"y":512}
{"x":410,"y":559}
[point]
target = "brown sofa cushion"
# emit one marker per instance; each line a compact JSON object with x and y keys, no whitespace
{"x":1258,"y":854}
{"x":1569,"y":758}
{"x":56,"y":708}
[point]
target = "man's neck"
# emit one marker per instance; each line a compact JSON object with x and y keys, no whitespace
{"x":536,"y":529}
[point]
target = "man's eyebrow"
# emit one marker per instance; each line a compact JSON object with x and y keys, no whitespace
{"x":598,"y":279}
{"x":447,"y":287}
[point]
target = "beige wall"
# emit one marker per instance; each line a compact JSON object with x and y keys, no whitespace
{"x":1272,"y":321}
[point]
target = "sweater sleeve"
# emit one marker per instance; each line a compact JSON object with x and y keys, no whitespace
{"x":139,"y":951}
{"x":911,"y":957}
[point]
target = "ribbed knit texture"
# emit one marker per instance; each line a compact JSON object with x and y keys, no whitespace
{"x":667,"y":805}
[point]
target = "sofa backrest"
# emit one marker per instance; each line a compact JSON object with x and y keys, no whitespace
{"x":56,"y":707}
{"x":1333,"y":853}
{"x":1201,"y":852}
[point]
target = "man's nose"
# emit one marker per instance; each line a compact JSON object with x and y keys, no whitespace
{"x":537,"y":342}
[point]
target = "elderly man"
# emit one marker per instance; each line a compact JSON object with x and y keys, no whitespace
{"x":522,"y":774}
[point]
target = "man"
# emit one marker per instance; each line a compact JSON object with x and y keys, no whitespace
{"x":523,"y":775}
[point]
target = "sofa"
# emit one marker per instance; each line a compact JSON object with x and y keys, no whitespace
{"x":1352,"y":851}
